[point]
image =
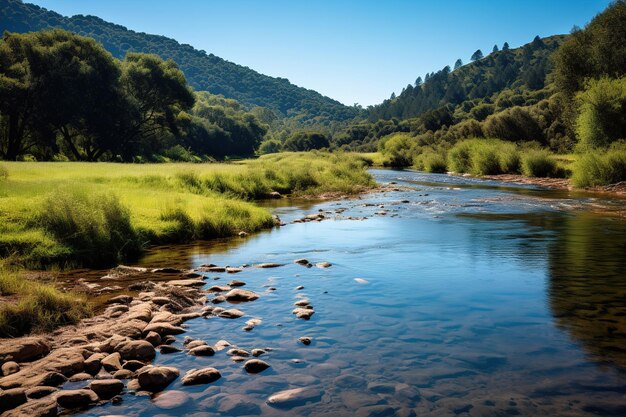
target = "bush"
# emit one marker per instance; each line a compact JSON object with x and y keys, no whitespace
{"x":515,"y":124}
{"x":97,"y":228}
{"x":601,"y":119}
{"x":430,"y":162}
{"x":595,"y":169}
{"x":484,"y":157}
{"x":538,"y":163}
{"x":270,"y":146}
{"x":398,"y":150}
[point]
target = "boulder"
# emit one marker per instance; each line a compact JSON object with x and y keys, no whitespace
{"x":234,"y":283}
{"x":186,"y":283}
{"x":156,"y":378}
{"x":120,"y":299}
{"x":258,"y":352}
{"x":254,"y":366}
{"x":153,"y":338}
{"x":323,"y":264}
{"x":232,"y":314}
{"x":123,"y":374}
{"x":12,"y":398}
{"x":233,"y":270}
{"x":238,"y":405}
{"x":112,"y":362}
{"x":39,"y":392}
{"x":238,"y":352}
{"x":140,"y":350}
{"x":79,"y":398}
{"x":25,"y":349}
{"x":45,"y":407}
{"x":268,"y":265}
{"x":376,"y":411}
{"x":302,"y":262}
{"x":106,"y":388}
{"x":303,"y":313}
{"x":81,"y":376}
{"x":195,"y":343}
{"x":94,"y":363}
{"x":305,"y":340}
{"x":239,"y":295}
{"x":202,"y":351}
{"x":108,"y":346}
{"x":9,"y":368}
{"x":201,"y":376}
{"x":163,"y":329}
{"x":133,"y":365}
{"x":165,"y":349}
{"x":294,"y":397}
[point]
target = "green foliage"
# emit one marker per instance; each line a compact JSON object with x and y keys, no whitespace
{"x":205,"y":72}
{"x":600,"y":168}
{"x":41,"y":306}
{"x":4,"y":172}
{"x":269,"y":146}
{"x":602,"y":115}
{"x":514,"y":124}
{"x":539,"y":163}
{"x":484,"y":157}
{"x":96,"y":228}
{"x":430,"y":161}
{"x":306,"y":141}
{"x":398,"y":150}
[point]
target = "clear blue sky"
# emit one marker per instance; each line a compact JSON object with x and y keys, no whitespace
{"x":355,"y":51}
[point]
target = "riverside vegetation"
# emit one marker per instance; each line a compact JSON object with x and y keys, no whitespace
{"x":81,"y":214}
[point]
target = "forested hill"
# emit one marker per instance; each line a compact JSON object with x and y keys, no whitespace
{"x":204,"y":72}
{"x":521,"y":69}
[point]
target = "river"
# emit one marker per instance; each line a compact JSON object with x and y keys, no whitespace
{"x":455,"y":297}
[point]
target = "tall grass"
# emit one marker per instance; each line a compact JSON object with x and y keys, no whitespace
{"x":41,"y":307}
{"x":597,"y":168}
{"x":430,"y":162}
{"x":100,"y":213}
{"x":484,"y":157}
{"x":539,"y":163}
{"x":4,"y":173}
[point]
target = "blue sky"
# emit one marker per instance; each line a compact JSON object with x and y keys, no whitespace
{"x":354,"y":51}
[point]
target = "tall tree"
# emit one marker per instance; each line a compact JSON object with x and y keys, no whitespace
{"x":505,"y":47}
{"x":458,"y":64}
{"x":478,"y":55}
{"x":495,"y":49}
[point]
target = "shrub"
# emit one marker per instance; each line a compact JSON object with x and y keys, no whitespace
{"x":484,"y":157}
{"x":538,"y":163}
{"x":270,"y":146}
{"x":601,"y":119}
{"x":97,"y":228}
{"x":398,"y":150}
{"x":431,"y":162}
{"x":514,"y":124}
{"x":593,"y":169}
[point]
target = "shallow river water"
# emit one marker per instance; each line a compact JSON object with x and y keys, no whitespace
{"x":465,"y":298}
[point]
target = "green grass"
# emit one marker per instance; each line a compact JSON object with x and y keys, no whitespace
{"x":600,"y":168}
{"x":484,"y":157}
{"x":539,"y":163}
{"x":100,"y":213}
{"x":36,"y":306}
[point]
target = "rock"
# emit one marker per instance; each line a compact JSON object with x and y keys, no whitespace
{"x":107,"y":388}
{"x":356,"y":399}
{"x":237,"y":359}
{"x":376,"y":411}
{"x":131,"y":328}
{"x":167,"y":271}
{"x":39,"y":392}
{"x":186,"y":283}
{"x":112,"y":362}
{"x":163,"y":329}
{"x":160,"y":301}
{"x":381,"y":387}
{"x":123,"y":374}
{"x":120,"y":299}
{"x":242,"y":234}
{"x":165,"y":349}
{"x":141,"y":312}
{"x":156,"y":378}
{"x":81,"y":376}
{"x":140,"y":350}
{"x":234,"y":283}
{"x":12,"y":398}
{"x":25,"y":349}
{"x":274,"y":194}
{"x":108,"y":346}
{"x":79,"y":398}
{"x":50,"y":370}
{"x":219,"y":299}
{"x":238,"y":352}
{"x":232,"y":314}
{"x":153,"y":338}
{"x":170,"y":400}
{"x":219,"y":288}
{"x":361,"y":281}
{"x":302,"y":303}
{"x":302,"y":262}
{"x":238,"y":405}
{"x":305,"y":340}
{"x":9,"y":368}
{"x":93,"y":363}
{"x":294,"y":397}
{"x":254,"y":366}
{"x":168,"y":340}
{"x":195,"y":344}
{"x":221,"y":345}
{"x":323,"y":264}
{"x":45,"y":407}
{"x":239,"y":295}
{"x":303,"y":313}
{"x":201,"y":376}
{"x":350,"y":381}
{"x":133,"y":365}
{"x":202,"y":351}
{"x":299,"y":287}
{"x":233,"y":270}
{"x":258,"y":352}
{"x":268,"y":265}
{"x":213,"y":269}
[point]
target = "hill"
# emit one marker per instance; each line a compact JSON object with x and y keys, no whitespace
{"x":204,"y":72}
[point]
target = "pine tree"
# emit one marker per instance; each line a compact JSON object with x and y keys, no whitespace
{"x":495,"y":49}
{"x":477,"y":55}
{"x":458,"y":64}
{"x":418,"y":82}
{"x":505,"y":47}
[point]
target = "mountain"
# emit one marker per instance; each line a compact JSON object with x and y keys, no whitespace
{"x":204,"y":72}
{"x":524,"y":69}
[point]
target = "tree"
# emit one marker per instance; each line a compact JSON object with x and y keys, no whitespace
{"x":418,"y":81}
{"x":458,"y":64}
{"x":505,"y":47}
{"x":393,"y":96}
{"x":495,"y":49}
{"x":306,"y":141}
{"x":478,"y":55}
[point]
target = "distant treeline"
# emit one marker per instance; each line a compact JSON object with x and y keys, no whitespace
{"x":63,"y":96}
